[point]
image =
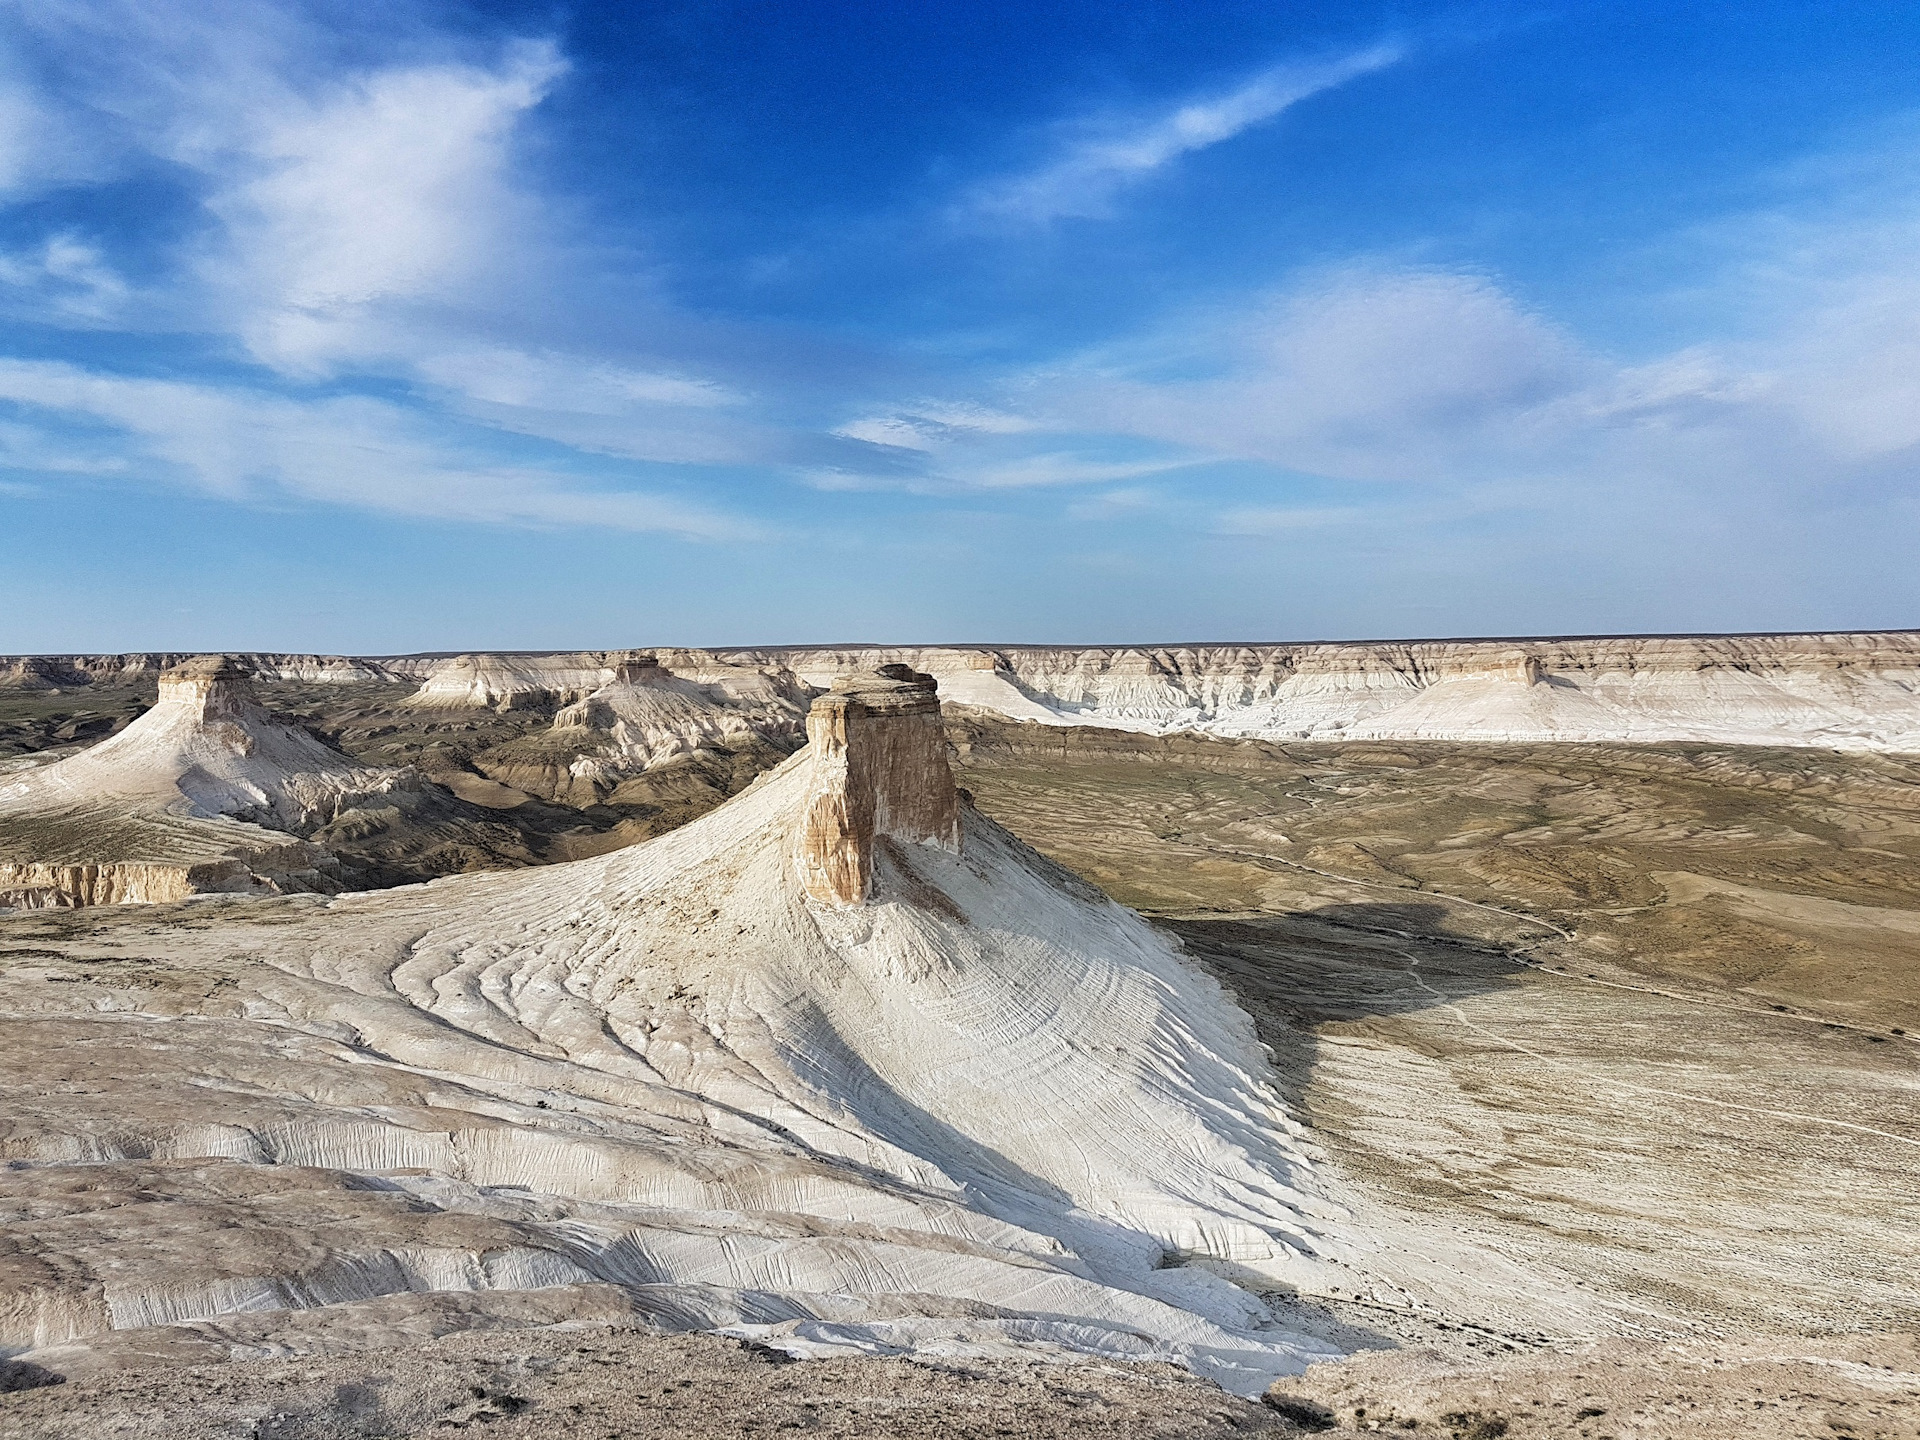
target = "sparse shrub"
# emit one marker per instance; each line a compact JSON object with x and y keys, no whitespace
{"x":1475,"y":1425}
{"x":1300,"y":1412}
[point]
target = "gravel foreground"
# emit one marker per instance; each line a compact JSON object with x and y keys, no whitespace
{"x":625,"y":1384}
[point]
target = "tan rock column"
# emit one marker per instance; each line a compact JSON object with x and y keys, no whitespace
{"x":879,"y":768}
{"x":213,"y":688}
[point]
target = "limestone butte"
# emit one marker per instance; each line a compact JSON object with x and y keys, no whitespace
{"x":878,"y":769}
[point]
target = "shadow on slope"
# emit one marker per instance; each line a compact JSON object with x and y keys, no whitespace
{"x":1293,"y":972}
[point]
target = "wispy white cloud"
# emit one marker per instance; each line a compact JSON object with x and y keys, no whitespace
{"x":1097,"y":159}
{"x":1289,"y":520}
{"x":1353,"y":374}
{"x":499,"y":375}
{"x":65,"y":275}
{"x":1061,"y":467}
{"x":927,"y":425}
{"x":1799,"y":398}
{"x":387,"y":191}
{"x":1128,"y":502}
{"x":22,"y":136}
{"x":359,"y":199}
{"x":369,"y":213}
{"x":956,"y":446}
{"x":341,"y":450}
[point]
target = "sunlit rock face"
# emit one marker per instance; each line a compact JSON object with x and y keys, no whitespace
{"x":210,"y":691}
{"x":879,"y":769}
{"x":1847,"y":691}
{"x":1840,"y":691}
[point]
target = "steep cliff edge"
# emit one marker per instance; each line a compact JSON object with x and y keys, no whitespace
{"x":1840,"y":691}
{"x":77,"y":672}
{"x":879,"y":772}
{"x":1848,"y":691}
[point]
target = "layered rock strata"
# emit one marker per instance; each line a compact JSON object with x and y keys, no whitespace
{"x":625,"y":741}
{"x":1858,"y":691}
{"x":1843,"y":691}
{"x":77,"y":672}
{"x":1848,"y":691}
{"x":294,"y":868}
{"x":878,"y":767}
{"x":652,"y":714}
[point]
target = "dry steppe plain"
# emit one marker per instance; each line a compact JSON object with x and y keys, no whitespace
{"x":1640,"y":1019}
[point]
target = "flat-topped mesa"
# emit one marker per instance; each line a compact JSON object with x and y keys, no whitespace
{"x":210,"y":688}
{"x":640,"y":669}
{"x":879,"y":758}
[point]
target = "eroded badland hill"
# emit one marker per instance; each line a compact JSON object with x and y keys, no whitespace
{"x":1589,"y":1102}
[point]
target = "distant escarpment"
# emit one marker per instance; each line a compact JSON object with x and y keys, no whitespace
{"x":614,"y":727}
{"x":76,"y":672}
{"x":1845,"y":691}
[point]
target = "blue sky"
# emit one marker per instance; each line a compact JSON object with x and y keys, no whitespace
{"x":436,"y":326}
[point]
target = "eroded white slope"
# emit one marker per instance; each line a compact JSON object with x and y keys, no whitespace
{"x":841,"y":1064}
{"x":1011,"y":1025}
{"x":651,"y":714}
{"x":206,"y":750}
{"x":986,"y":1031}
{"x":1845,"y":691}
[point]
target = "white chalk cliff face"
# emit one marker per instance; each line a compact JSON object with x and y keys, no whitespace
{"x":842,"y":1065}
{"x":199,"y":794}
{"x":1859,"y":692}
{"x":1840,"y":691}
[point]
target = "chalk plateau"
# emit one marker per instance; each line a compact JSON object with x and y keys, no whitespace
{"x":634,"y":710}
{"x":205,"y":793}
{"x":1837,"y":691}
{"x":842,"y":1067}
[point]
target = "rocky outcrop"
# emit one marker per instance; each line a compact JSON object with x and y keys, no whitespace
{"x":878,"y":768}
{"x":207,"y":749}
{"x":646,"y":712}
{"x":891,"y":1098}
{"x":651,"y":714}
{"x":206,"y":792}
{"x":514,"y":682}
{"x":295,"y":868}
{"x":523,"y":682}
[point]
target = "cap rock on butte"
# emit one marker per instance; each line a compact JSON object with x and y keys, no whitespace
{"x":879,"y":772}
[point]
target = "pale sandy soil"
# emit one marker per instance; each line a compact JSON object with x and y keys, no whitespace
{"x":600,"y":1381}
{"x":1642,"y":1020}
